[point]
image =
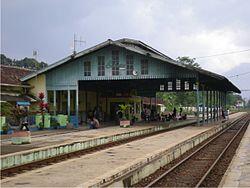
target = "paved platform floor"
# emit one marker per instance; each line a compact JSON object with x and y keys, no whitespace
{"x":53,"y":138}
{"x":238,"y":173}
{"x":91,"y":168}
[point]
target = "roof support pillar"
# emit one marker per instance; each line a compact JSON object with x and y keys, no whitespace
{"x":68,"y":101}
{"x":207,"y":108}
{"x":197,"y":102}
{"x":203,"y":105}
{"x":217,"y":107}
{"x":54,"y":101}
{"x":77,"y":105}
{"x":86,"y":104}
{"x":225,"y":99}
{"x":211,"y":105}
{"x":220,"y":104}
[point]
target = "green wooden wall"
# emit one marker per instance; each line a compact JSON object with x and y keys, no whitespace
{"x":67,"y":75}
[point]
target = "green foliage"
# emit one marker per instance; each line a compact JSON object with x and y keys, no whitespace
{"x":5,"y":128}
{"x":6,"y":109}
{"x":28,"y":63}
{"x":248,"y":104}
{"x":41,"y":126}
{"x":232,"y":99}
{"x":188,"y":61}
{"x":177,"y":99}
{"x":54,"y":123}
{"x":124,"y":108}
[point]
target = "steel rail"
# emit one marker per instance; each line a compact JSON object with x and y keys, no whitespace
{"x":192,"y":154}
{"x":222,"y":153}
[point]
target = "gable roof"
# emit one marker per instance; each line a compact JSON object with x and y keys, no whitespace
{"x":11,"y":75}
{"x":137,"y":47}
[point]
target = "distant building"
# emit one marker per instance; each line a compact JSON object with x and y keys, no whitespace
{"x":12,"y":89}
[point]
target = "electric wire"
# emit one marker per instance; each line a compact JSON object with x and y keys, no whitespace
{"x":221,"y":54}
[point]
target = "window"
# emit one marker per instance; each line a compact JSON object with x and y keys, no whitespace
{"x":186,"y":85}
{"x":195,"y":87}
{"x":115,"y":62}
{"x":130,"y":64}
{"x":144,"y":66}
{"x":162,"y":87}
{"x":87,"y":68}
{"x":170,"y":86}
{"x":178,"y":84}
{"x":101,"y":66}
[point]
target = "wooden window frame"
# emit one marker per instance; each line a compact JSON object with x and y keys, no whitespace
{"x":130,"y":64}
{"x":115,"y":63}
{"x":144,"y":66}
{"x":101,"y":65}
{"x":87,"y":68}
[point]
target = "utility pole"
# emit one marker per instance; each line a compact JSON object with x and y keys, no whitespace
{"x":77,"y":41}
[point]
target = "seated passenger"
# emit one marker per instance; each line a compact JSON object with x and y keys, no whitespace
{"x":93,"y":123}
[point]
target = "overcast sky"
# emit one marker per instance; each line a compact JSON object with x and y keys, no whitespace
{"x":177,"y":28}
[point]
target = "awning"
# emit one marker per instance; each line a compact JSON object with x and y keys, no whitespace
{"x":23,"y":103}
{"x":10,"y":98}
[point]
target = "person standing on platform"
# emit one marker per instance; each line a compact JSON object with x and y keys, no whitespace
{"x":180,"y":111}
{"x":174,"y":113}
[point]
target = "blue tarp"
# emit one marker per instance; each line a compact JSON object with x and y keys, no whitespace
{"x":23,"y":103}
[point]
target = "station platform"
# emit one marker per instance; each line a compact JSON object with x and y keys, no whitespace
{"x":238,"y":173}
{"x":109,"y":165}
{"x":54,"y":137}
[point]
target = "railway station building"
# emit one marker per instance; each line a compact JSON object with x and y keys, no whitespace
{"x":123,"y":71}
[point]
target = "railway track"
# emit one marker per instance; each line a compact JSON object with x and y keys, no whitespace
{"x":205,"y":165}
{"x":50,"y":161}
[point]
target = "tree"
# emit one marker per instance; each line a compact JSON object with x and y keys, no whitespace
{"x":233,"y":98}
{"x":188,"y":61}
{"x":248,"y":104}
{"x":29,"y":63}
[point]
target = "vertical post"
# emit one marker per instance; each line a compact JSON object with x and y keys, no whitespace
{"x":54,"y":101}
{"x":211,"y":105}
{"x":215,"y":110}
{"x":106,"y":105}
{"x":77,"y":105}
{"x":97,"y":98}
{"x":155,"y":102}
{"x":207,"y":106}
{"x":218,"y":105}
{"x":68,"y":101}
{"x":225,"y":99}
{"x":86,"y":105}
{"x":203,"y":105}
{"x":197,"y":102}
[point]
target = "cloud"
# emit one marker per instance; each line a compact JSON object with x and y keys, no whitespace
{"x":177,"y":28}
